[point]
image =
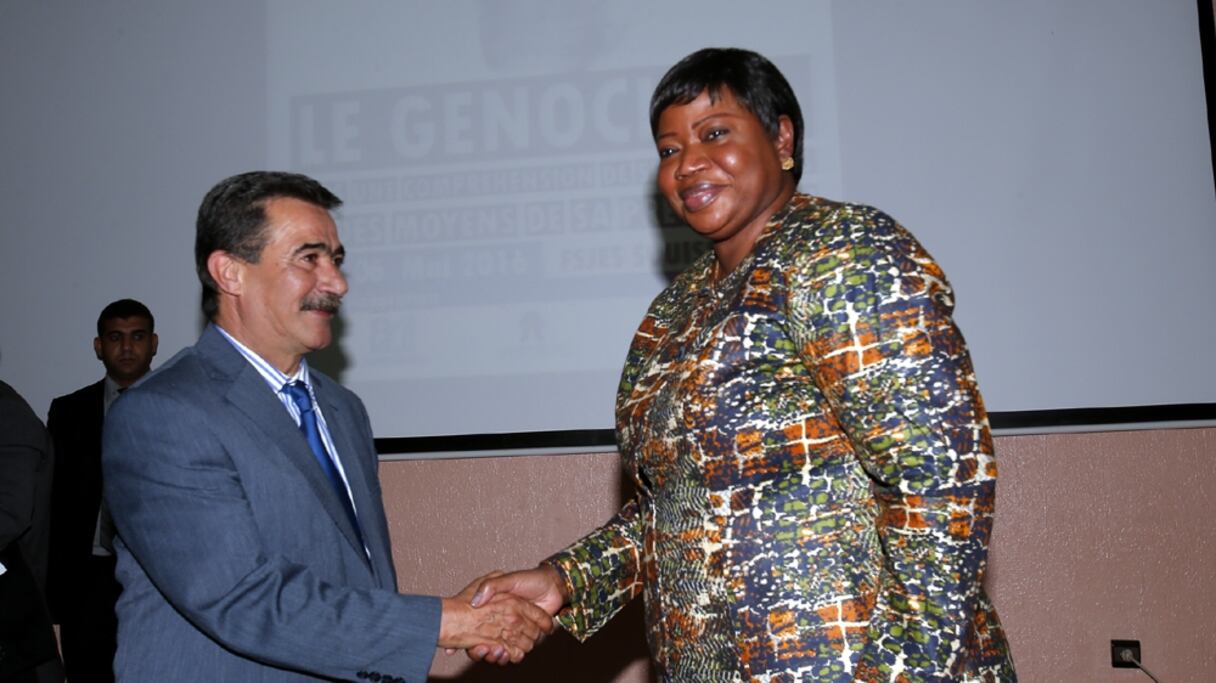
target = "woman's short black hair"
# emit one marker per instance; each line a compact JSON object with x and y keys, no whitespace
{"x":752,"y":79}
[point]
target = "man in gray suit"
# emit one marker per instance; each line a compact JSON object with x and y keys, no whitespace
{"x":252,"y":543}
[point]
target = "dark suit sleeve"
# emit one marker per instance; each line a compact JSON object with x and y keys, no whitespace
{"x":74,"y":424}
{"x":183,"y":510}
{"x":57,"y":428}
{"x":25,"y":630}
{"x":57,"y":563}
{"x":22,"y":448}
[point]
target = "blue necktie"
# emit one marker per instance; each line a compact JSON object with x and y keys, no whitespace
{"x":298,"y":391}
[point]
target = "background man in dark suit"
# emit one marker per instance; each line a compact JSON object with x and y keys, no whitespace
{"x":83,"y":590}
{"x":252,"y":542}
{"x":27,"y":644}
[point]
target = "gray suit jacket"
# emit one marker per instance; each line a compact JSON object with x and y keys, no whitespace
{"x":236,"y":559}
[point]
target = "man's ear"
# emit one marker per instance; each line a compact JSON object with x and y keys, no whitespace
{"x":228,"y":272}
{"x":155,"y":343}
{"x":97,"y":347}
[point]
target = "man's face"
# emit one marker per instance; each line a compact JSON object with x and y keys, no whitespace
{"x":126,"y":347}
{"x":289,"y":297}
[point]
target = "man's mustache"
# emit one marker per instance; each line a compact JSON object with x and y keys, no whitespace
{"x":326,"y":303}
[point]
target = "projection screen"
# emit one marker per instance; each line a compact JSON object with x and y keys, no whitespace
{"x":503,"y":233}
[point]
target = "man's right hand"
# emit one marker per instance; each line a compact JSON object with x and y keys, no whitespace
{"x":503,"y":628}
{"x":543,"y":587}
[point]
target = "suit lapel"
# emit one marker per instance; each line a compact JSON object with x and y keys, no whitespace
{"x":342,"y":428}
{"x":92,"y":421}
{"x":95,"y":418}
{"x":252,"y":396}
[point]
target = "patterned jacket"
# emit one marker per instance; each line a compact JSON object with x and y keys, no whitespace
{"x":814,"y":470}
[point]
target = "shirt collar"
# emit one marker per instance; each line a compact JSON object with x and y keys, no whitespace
{"x":272,"y":375}
{"x":109,"y":393}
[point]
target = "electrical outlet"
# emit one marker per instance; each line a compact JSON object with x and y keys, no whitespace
{"x":1124,"y":653}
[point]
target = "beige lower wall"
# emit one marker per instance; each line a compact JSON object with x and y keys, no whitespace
{"x":1098,"y":536}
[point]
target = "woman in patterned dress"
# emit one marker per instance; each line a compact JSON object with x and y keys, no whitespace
{"x":800,"y":417}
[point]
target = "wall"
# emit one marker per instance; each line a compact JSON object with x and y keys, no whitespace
{"x":1097,"y":536}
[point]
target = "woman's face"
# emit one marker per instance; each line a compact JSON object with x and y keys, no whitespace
{"x":721,"y":171}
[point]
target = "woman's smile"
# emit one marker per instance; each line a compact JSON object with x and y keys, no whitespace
{"x":699,"y":196}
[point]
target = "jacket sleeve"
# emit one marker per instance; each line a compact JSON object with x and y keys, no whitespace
{"x":66,"y":500}
{"x":601,"y":572}
{"x":22,"y":449}
{"x":871,"y":312}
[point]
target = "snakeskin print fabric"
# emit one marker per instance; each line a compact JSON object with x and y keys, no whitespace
{"x":814,"y":469}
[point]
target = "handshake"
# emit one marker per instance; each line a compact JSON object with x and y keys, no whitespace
{"x":500,"y":617}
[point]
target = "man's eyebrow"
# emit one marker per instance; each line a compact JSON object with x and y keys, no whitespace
{"x":320,"y":246}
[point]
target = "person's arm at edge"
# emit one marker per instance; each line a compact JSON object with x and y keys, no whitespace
{"x":19,"y":459}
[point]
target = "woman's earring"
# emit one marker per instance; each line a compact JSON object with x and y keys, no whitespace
{"x":787,"y":164}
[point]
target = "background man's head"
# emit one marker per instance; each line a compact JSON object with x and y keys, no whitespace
{"x":126,"y":340}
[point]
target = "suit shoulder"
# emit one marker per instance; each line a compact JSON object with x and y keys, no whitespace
{"x":92,"y":392}
{"x":20,"y":424}
{"x":179,"y":387}
{"x":186,"y":379}
{"x":13,"y":404}
{"x":68,"y":410}
{"x":185,"y":366}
